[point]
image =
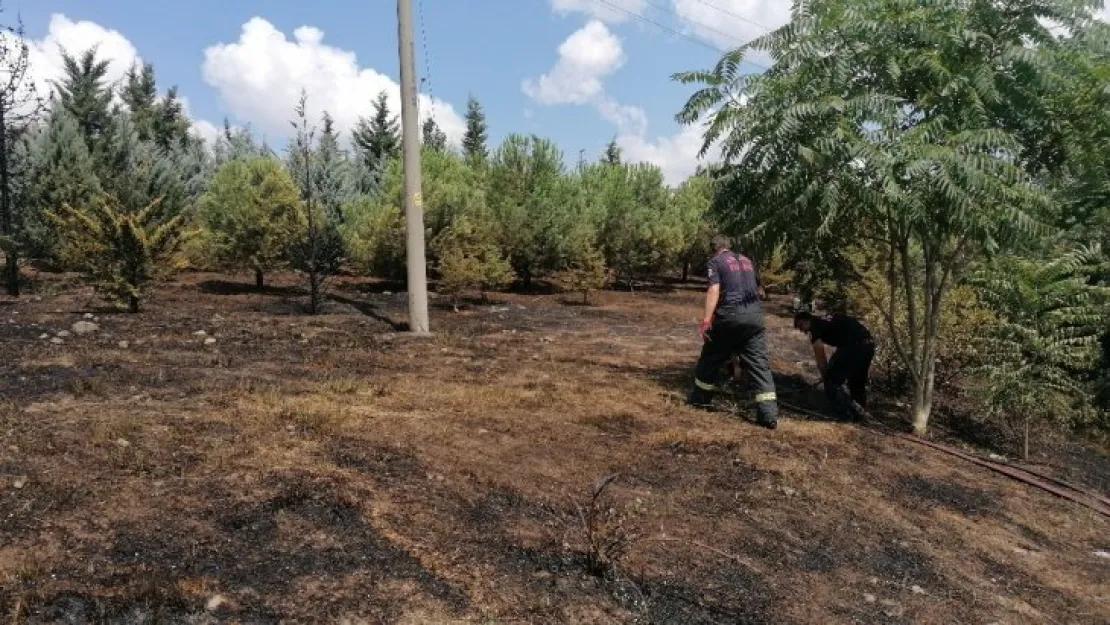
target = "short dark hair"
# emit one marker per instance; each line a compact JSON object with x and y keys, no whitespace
{"x":801,"y":316}
{"x":720,"y":242}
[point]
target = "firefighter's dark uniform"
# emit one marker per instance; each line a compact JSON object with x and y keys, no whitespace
{"x":851,"y":363}
{"x":737,"y":329}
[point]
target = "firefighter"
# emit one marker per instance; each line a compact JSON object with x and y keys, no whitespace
{"x":850,"y":363}
{"x":733,"y":324}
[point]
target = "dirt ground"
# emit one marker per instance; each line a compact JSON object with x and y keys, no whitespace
{"x":280,"y":467}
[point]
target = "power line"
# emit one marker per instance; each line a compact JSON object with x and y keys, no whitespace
{"x":427,"y":60}
{"x":675,"y":32}
{"x":668,"y":29}
{"x":735,"y":15}
{"x":672,"y":12}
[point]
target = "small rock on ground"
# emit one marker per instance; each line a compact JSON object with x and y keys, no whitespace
{"x":82,"y":328}
{"x":64,"y":334}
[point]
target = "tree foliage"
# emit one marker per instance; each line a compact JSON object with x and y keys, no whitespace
{"x":529,"y":194}
{"x":584,"y":268}
{"x":470,"y":260}
{"x":120,"y":250}
{"x":1045,"y":343}
{"x":251,"y":216}
{"x":84,"y":92}
{"x":432,"y":136}
{"x":378,"y":138}
{"x":477,"y":132}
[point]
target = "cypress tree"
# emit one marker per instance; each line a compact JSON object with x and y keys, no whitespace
{"x":379,"y":137}
{"x":474,"y":141}
{"x":140,"y":93}
{"x":433,"y":137}
{"x":612,"y":154}
{"x":84,"y":93}
{"x":62,"y":173}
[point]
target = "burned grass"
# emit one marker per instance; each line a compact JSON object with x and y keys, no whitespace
{"x":328,"y":468}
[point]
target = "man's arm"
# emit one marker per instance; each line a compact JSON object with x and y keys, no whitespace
{"x":712,"y":296}
{"x":821,"y":357}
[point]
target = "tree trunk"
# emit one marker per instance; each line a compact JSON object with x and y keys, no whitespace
{"x":12,"y":259}
{"x":259,"y":279}
{"x":923,"y":396}
{"x":526,"y":279}
{"x":1025,"y":440}
{"x":686,"y":271}
{"x":314,"y":293}
{"x":132,"y":304}
{"x":11,"y":272}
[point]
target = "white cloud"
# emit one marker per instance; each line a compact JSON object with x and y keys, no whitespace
{"x":613,"y":11}
{"x":207,"y":130}
{"x":586,"y":57}
{"x":676,"y":155}
{"x":260,"y":78}
{"x":64,"y":34}
{"x":731,"y":23}
{"x":628,"y":119}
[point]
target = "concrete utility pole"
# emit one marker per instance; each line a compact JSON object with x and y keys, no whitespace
{"x":414,"y":206}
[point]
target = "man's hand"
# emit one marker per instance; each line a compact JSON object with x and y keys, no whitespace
{"x":703,"y":329}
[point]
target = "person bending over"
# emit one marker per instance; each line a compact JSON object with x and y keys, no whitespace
{"x":850,"y":363}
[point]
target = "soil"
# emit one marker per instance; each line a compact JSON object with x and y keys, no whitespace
{"x":287,"y":468}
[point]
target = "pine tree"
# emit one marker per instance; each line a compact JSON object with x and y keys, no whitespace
{"x":433,"y":137}
{"x":474,"y":141}
{"x":612,"y":154}
{"x":638,"y":226}
{"x":237,"y":143}
{"x":84,"y":93}
{"x":691,"y":205}
{"x":171,"y":126}
{"x":469,"y":260}
{"x":319,"y":251}
{"x":251,"y":216}
{"x":378,"y":138}
{"x":62,"y":173}
{"x":138,"y":174}
{"x":530,"y":195}
{"x":118,"y":249}
{"x":140,"y":93}
{"x":334,"y":180}
{"x":584,"y":265}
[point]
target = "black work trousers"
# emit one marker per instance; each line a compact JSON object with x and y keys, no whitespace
{"x":746,"y":337}
{"x":851,"y":365}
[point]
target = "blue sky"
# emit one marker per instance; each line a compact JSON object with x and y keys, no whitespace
{"x":578,"y":71}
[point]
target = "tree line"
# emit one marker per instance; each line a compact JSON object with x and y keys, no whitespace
{"x":110,"y":181}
